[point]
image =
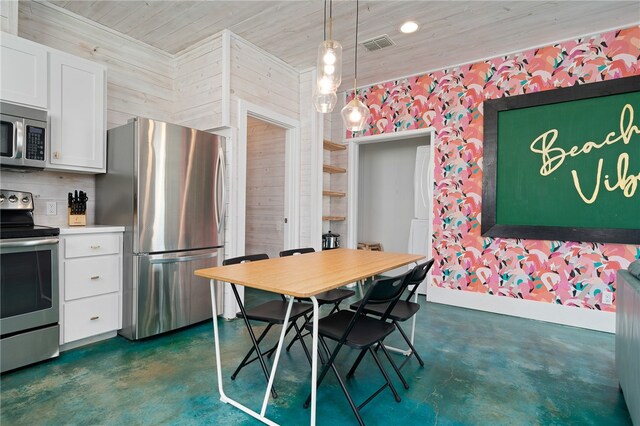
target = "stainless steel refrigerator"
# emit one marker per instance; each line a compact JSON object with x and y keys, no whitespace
{"x":166,"y":185}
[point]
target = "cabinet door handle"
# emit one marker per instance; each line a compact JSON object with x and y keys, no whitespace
{"x":95,"y":247}
{"x":56,"y":155}
{"x":94,"y":318}
{"x":95,"y":277}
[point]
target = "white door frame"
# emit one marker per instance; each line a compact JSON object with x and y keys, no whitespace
{"x":352,"y":190}
{"x":292,"y":173}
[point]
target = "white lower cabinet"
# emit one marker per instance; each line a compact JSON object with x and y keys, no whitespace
{"x":90,"y":285}
{"x":90,"y":317}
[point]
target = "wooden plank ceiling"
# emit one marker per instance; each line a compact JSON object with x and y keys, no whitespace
{"x":451,"y":32}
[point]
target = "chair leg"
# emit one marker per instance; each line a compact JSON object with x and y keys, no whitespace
{"x":395,"y":367}
{"x":384,"y":373}
{"x":253,"y":341}
{"x":259,"y":356}
{"x":299,"y":336}
{"x":413,"y":349}
{"x":325,"y":369}
{"x":356,"y":363}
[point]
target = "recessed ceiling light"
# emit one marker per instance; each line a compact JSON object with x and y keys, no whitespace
{"x":409,"y":27}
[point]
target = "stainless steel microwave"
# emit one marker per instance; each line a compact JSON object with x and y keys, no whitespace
{"x":23,"y":136}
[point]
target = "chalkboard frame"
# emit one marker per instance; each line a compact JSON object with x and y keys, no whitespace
{"x":492,"y":107}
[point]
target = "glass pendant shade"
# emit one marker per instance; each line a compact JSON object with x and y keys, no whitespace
{"x":355,"y":115}
{"x":329,"y":66}
{"x":324,"y":102}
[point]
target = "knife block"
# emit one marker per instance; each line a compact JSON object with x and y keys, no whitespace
{"x":76,"y":219}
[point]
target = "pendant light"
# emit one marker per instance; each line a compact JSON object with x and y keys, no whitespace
{"x":328,"y":66}
{"x":355,"y":114}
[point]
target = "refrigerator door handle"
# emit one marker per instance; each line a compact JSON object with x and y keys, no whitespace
{"x":223,"y":171}
{"x":183,"y":258}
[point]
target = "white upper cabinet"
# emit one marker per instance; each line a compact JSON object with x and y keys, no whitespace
{"x":23,"y":71}
{"x":77,"y":114}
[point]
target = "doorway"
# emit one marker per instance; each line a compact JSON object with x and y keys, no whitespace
{"x":391,"y":187}
{"x":265,"y":188}
{"x":256,"y":168}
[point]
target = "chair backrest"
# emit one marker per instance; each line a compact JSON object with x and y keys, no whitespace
{"x":291,"y":252}
{"x":418,"y":274}
{"x":244,"y":259}
{"x":386,"y":290}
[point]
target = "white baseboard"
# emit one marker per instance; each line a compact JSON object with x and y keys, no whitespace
{"x":566,"y":315}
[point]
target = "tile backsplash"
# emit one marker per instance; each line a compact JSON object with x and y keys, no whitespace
{"x":51,"y":186}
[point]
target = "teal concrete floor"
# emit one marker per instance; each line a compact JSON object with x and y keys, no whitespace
{"x":481,"y":369}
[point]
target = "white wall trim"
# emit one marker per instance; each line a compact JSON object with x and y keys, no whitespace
{"x":292,"y":172}
{"x":384,"y":137}
{"x":558,"y":314}
{"x":353,"y":158}
{"x":316,"y":158}
{"x":353,"y":161}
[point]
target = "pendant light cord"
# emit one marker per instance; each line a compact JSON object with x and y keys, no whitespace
{"x":355,"y":73}
{"x":324,"y":28}
{"x":330,"y":18}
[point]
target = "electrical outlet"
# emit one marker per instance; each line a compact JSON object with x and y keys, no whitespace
{"x":607,"y":297}
{"x":51,"y":208}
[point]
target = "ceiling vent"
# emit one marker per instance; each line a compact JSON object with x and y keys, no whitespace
{"x":377,"y":43}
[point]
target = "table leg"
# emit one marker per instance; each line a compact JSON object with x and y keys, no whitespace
{"x":314,"y":360}
{"x":216,"y":340}
{"x":276,"y":358}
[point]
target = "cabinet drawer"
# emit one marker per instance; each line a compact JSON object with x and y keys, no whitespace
{"x":89,"y":317}
{"x":91,"y":245}
{"x":91,"y":276}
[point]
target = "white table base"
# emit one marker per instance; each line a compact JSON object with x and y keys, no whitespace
{"x":314,"y":362}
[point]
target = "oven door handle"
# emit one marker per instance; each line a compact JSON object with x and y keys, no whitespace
{"x":28,"y":243}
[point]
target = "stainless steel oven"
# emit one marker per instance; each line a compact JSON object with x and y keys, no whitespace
{"x":29,"y":295}
{"x":23,"y":136}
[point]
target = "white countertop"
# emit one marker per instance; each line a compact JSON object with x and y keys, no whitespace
{"x":89,"y":229}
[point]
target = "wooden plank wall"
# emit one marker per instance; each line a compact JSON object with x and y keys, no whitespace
{"x":198,"y":85}
{"x":265,"y":188}
{"x":186,"y":89}
{"x":139,"y":77}
{"x":262,"y":79}
{"x":139,"y":82}
{"x":9,"y":16}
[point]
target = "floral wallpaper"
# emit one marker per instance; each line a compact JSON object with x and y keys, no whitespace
{"x":450,"y":101}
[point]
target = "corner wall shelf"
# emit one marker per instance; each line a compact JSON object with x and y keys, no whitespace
{"x":327,"y":168}
{"x":333,"y":218}
{"x":332,"y":146}
{"x":334,"y":193}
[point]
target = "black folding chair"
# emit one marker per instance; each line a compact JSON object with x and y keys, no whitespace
{"x":404,"y":308}
{"x":362,"y":332}
{"x":271,"y":312}
{"x":334,"y":296}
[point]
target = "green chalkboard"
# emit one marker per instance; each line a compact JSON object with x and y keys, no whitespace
{"x":564,"y":164}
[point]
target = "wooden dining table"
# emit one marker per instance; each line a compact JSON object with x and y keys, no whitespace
{"x":301,"y":276}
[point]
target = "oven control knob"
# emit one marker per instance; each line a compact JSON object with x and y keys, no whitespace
{"x":2,"y":198}
{"x":13,"y":199}
{"x":25,"y":200}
